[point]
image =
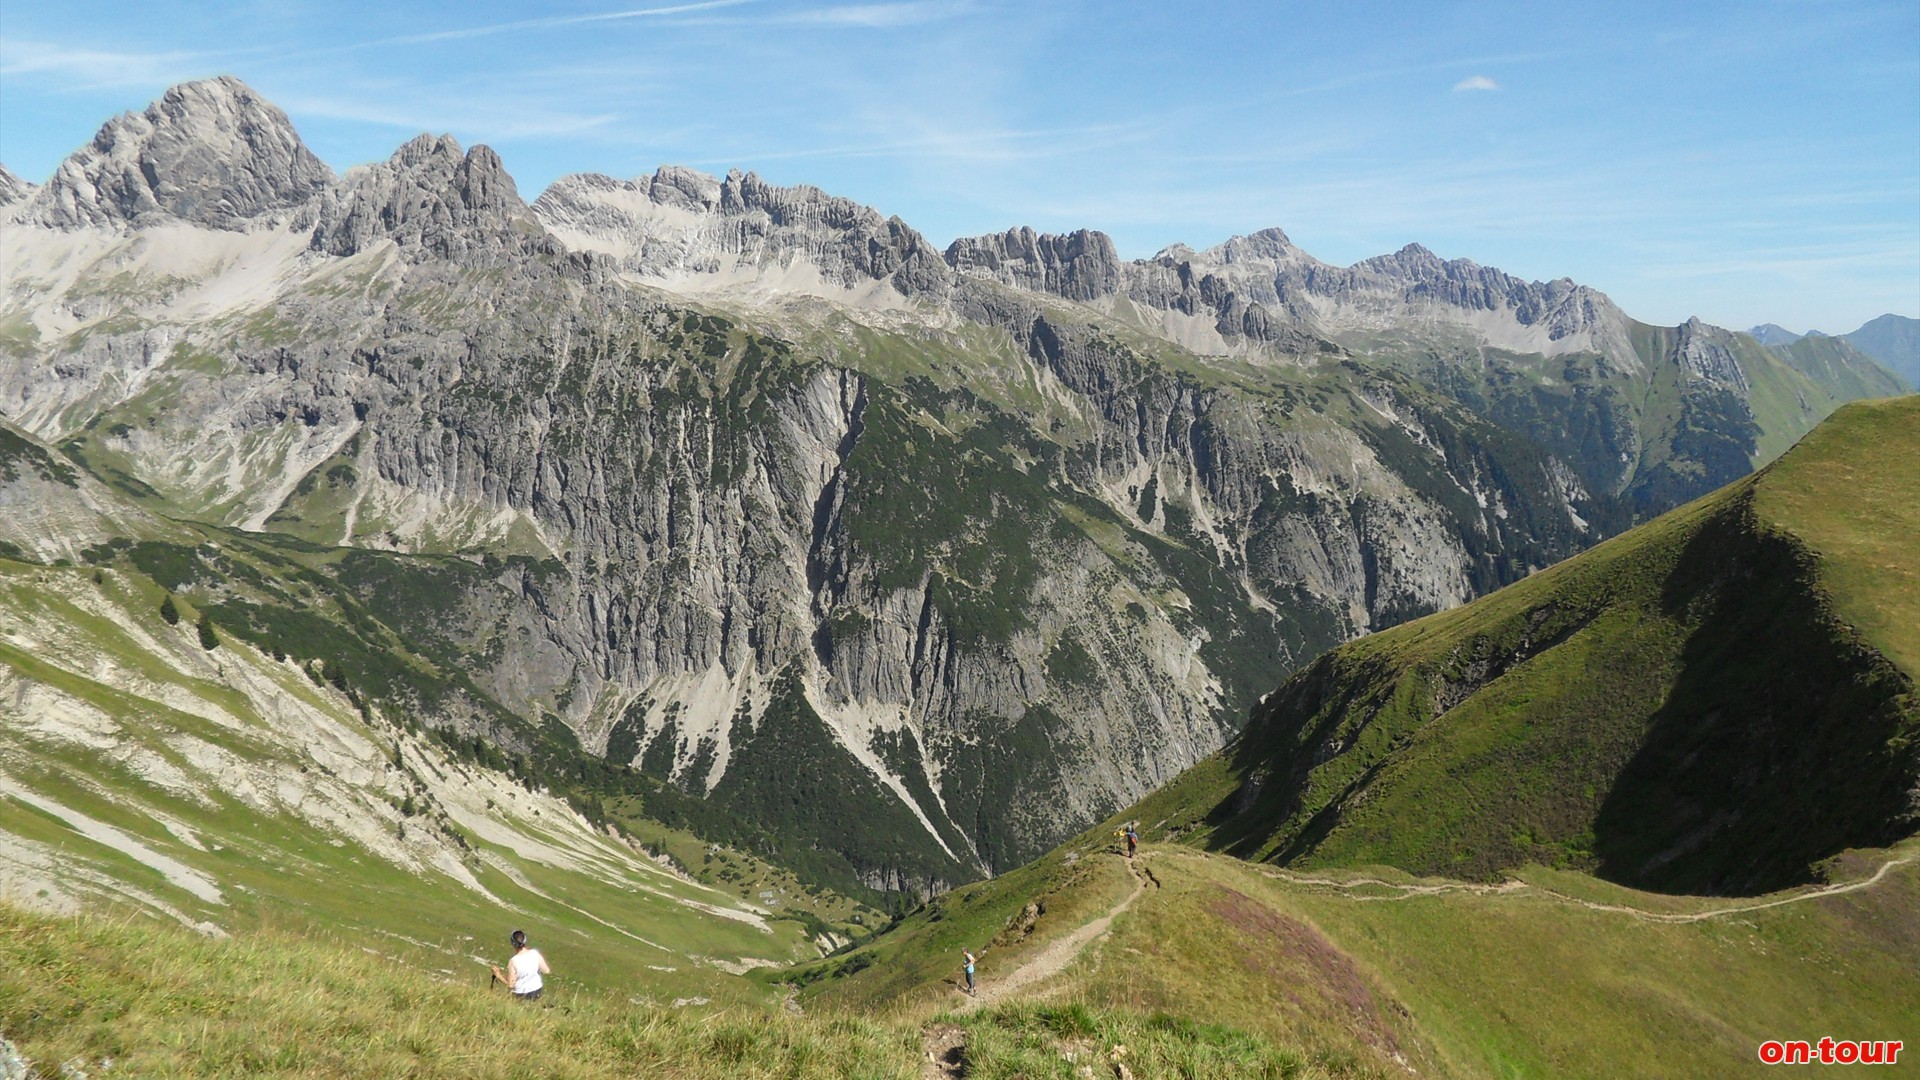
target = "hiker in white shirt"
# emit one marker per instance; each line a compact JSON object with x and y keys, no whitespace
{"x":524,"y":971}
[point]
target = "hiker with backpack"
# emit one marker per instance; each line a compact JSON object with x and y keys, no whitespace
{"x":523,"y":977}
{"x":968,"y":953}
{"x":1133,"y":839}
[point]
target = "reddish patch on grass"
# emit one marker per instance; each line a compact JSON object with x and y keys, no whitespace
{"x":1278,"y":947}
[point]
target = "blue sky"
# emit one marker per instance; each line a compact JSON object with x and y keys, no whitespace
{"x":1744,"y":162}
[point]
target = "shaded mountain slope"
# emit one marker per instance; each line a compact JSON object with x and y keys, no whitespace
{"x":1713,"y":702}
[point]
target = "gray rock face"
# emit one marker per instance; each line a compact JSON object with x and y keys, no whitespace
{"x":213,"y":153}
{"x":1256,"y":293}
{"x":1081,"y":265}
{"x":1261,"y":289}
{"x":1561,"y":307}
{"x":1706,"y":353}
{"x":430,"y":198}
{"x":679,"y":222}
{"x":13,"y":189}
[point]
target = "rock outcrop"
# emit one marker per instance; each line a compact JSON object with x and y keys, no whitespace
{"x":211,"y":153}
{"x":12,"y":188}
{"x":431,"y":198}
{"x":1251,"y":294}
{"x":680,"y":225}
{"x":1081,"y":265}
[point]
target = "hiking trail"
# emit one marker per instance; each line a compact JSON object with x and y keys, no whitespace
{"x":1054,"y":957}
{"x":945,"y":1044}
{"x":1404,"y":891}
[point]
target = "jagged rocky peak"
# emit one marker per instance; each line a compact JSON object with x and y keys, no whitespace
{"x":585,"y":197}
{"x":13,"y":189}
{"x":430,"y":196}
{"x":1268,"y":246}
{"x":212,"y":153}
{"x":1417,"y":261}
{"x":1705,"y":352}
{"x":1561,"y":307}
{"x":682,"y":224}
{"x":1081,"y":265}
{"x":867,"y":245}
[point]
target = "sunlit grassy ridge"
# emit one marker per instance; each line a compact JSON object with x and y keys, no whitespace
{"x":1715,"y":701}
{"x":1222,"y":969}
{"x":1853,"y":495}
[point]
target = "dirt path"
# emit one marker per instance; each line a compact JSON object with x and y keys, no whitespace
{"x":1057,"y":954}
{"x":1403,"y":891}
{"x":1699,"y":916}
{"x":945,"y":1045}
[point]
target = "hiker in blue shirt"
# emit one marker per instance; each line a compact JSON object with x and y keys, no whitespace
{"x":968,"y":953}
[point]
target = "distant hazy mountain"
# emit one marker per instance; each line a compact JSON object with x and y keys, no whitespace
{"x":1894,"y":340}
{"x":1773,"y":334}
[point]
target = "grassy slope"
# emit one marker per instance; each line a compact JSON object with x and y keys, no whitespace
{"x":166,"y":750}
{"x":1844,"y":370}
{"x":161,"y":1002}
{"x":1851,"y":496}
{"x":1696,"y":679}
{"x":158,"y":1001}
{"x":1553,"y":974}
{"x":1656,"y":436}
{"x":1225,"y":969}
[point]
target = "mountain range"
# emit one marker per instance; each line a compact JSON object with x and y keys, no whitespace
{"x":894,"y":564}
{"x":1893,"y":340}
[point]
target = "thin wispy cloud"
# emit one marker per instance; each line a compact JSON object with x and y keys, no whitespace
{"x":89,"y":68}
{"x":1807,"y":261}
{"x":94,"y":67}
{"x":555,"y":22}
{"x":1475,"y":82}
{"x":875,"y":16}
{"x":966,"y":147}
{"x":486,"y":120}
